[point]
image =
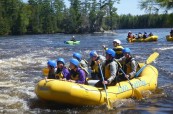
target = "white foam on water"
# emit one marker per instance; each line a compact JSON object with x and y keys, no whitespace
{"x":164,"y":48}
{"x":6,"y":84}
{"x":124,"y":103}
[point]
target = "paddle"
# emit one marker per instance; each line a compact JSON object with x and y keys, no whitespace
{"x":137,"y":94}
{"x":150,"y":59}
{"x":109,"y":105}
{"x":45,"y":71}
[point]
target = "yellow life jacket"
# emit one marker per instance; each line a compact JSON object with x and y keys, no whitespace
{"x":107,"y":71}
{"x":95,"y":67}
{"x":128,"y":67}
{"x":59,"y":75}
{"x":118,"y":49}
{"x":75,"y":77}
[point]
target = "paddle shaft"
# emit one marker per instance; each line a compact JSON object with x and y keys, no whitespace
{"x":103,"y":80}
{"x":140,"y":70}
{"x":126,"y":77}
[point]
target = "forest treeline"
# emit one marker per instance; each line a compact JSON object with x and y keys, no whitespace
{"x":53,"y":16}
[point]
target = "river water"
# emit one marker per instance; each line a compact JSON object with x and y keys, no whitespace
{"x":23,"y":57}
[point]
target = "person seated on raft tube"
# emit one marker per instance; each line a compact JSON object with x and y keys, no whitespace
{"x":93,"y":63}
{"x":129,"y":65}
{"x":145,"y":35}
{"x":139,"y":35}
{"x":51,"y":65}
{"x":130,"y":35}
{"x":117,"y":48}
{"x":73,"y":39}
{"x":77,"y":75}
{"x":62,"y":72}
{"x":171,"y":32}
{"x":83,"y":63}
{"x":110,"y":69}
{"x":151,"y":34}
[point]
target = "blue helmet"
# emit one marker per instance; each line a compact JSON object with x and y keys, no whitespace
{"x":61,"y":60}
{"x":126,"y":50}
{"x":111,"y":52}
{"x":93,"y":53}
{"x":75,"y":62}
{"x":51,"y":63}
{"x":78,"y":56}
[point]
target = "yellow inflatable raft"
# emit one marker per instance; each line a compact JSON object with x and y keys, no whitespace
{"x":169,"y":38}
{"x":149,"y":39}
{"x":79,"y":94}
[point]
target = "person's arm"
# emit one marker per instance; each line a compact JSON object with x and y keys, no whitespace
{"x":104,"y":47}
{"x":134,"y":68}
{"x":121,"y":59}
{"x":68,"y":76}
{"x":66,"y":73}
{"x":81,"y":77}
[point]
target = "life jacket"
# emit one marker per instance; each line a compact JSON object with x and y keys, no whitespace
{"x":119,"y":51}
{"x":94,"y":66}
{"x":75,"y":74}
{"x":106,"y":69}
{"x":127,"y":65}
{"x":59,"y":74}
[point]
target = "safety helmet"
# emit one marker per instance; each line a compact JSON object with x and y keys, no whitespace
{"x":117,"y":41}
{"x":61,"y":60}
{"x":51,"y":63}
{"x":126,"y":50}
{"x":111,"y":52}
{"x":78,"y":56}
{"x":75,"y":62}
{"x":93,"y":53}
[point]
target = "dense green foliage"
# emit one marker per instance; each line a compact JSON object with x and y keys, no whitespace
{"x":145,"y":21}
{"x":82,"y":16}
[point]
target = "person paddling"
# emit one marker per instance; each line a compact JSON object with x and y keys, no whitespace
{"x":129,"y":35}
{"x":129,"y":64}
{"x":110,"y":69}
{"x":73,"y":39}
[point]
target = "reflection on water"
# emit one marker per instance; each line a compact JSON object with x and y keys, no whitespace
{"x":23,"y":57}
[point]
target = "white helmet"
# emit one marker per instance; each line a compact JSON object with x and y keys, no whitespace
{"x":117,"y":41}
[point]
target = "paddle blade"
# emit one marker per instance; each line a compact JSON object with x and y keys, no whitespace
{"x":152,"y":57}
{"x":45,"y":71}
{"x":109,"y":104}
{"x":137,"y":94}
